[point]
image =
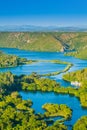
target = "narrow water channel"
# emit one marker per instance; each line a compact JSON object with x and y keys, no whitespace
{"x":40,"y":98}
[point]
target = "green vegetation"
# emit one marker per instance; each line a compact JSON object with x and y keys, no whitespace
{"x":12,"y":61}
{"x":59,"y":62}
{"x":80,"y":93}
{"x":79,"y":44}
{"x":81,"y":54}
{"x":44,"y":41}
{"x":81,"y":124}
{"x":30,"y":41}
{"x":34,"y":83}
{"x":16,"y":113}
{"x":79,"y":76}
{"x":57,"y":126}
{"x":61,"y":110}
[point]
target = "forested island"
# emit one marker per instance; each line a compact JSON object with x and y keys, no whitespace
{"x":12,"y":60}
{"x":61,"y":110}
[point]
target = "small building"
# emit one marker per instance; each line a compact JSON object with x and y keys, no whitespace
{"x":76,"y":83}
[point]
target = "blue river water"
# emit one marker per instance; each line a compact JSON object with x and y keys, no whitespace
{"x":40,"y":98}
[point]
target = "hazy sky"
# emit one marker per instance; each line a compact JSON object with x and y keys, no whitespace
{"x":43,"y":12}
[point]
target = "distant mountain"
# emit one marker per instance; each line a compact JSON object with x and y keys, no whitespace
{"x":31,"y":28}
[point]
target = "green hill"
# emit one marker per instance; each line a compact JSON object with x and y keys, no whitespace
{"x":47,"y":41}
{"x":30,"y":41}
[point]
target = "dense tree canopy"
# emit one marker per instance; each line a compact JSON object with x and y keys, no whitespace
{"x":16,"y":113}
{"x":12,"y":60}
{"x":81,"y":124}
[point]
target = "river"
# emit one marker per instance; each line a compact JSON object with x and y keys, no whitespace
{"x":40,"y":98}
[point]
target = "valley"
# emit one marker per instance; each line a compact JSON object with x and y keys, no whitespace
{"x":30,"y":91}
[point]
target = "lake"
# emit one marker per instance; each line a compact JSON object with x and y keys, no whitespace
{"x":40,"y":98}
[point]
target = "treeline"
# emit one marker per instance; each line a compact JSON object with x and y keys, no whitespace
{"x":33,"y":82}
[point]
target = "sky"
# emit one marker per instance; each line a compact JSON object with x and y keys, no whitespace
{"x":43,"y":12}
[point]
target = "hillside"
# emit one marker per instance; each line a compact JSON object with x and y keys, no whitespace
{"x":47,"y":41}
{"x":30,"y":41}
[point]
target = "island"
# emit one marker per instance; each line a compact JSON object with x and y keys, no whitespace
{"x":7,"y":60}
{"x":56,"y":110}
